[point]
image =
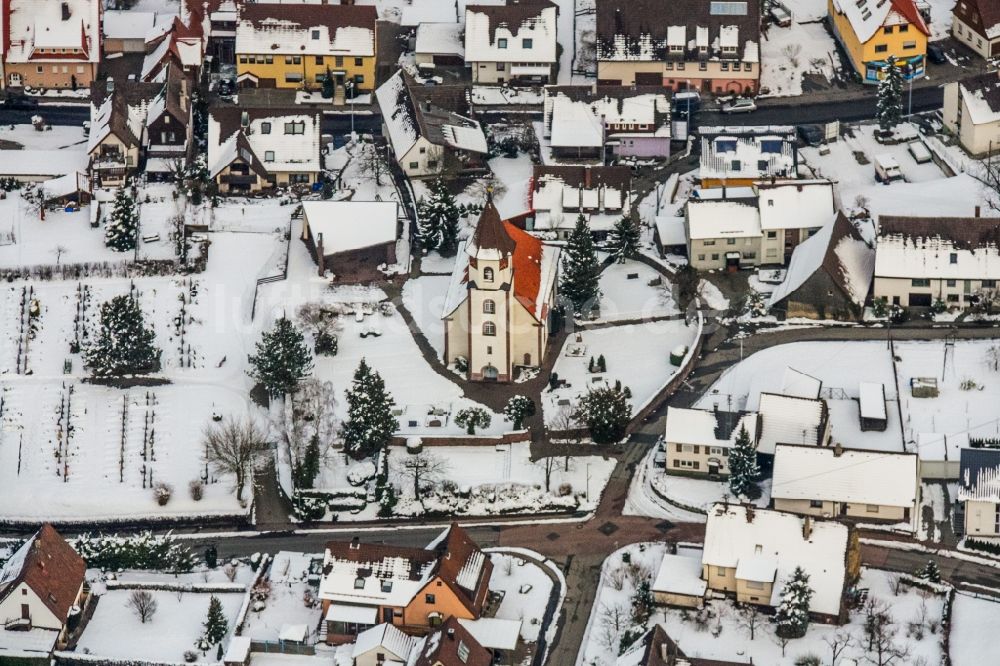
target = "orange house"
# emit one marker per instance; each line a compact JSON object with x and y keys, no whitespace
{"x":415,"y":589}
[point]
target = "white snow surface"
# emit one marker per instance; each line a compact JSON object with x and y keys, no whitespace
{"x":973,"y":620}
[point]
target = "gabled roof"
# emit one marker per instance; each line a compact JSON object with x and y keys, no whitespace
{"x":979,"y":475}
{"x":789,"y":420}
{"x":48,"y":565}
{"x":913,"y":247}
{"x":866,"y":17}
{"x":708,"y":427}
{"x":452,"y":645}
{"x":981,"y":95}
{"x":387,"y":637}
{"x":288,"y":28}
{"x":795,"y":204}
{"x":521,"y":19}
{"x":585,"y":177}
{"x":989,"y":15}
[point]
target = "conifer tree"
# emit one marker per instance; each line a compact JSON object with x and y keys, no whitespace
{"x":623,"y":242}
{"x":889,"y":107}
{"x":216,"y":624}
{"x":282,"y":359}
{"x":438,"y":220}
{"x":307,"y":468}
{"x":122,"y":226}
{"x":743,"y":467}
{"x":123,"y":344}
{"x":518,"y":408}
{"x":580,"y":269}
{"x":606,"y":412}
{"x":792,"y":614}
{"x":328,"y":85}
{"x":930,"y":572}
{"x":370,"y":422}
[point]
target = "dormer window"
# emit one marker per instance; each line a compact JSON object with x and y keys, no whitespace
{"x":487,"y":274}
{"x":359,"y":583}
{"x":526,"y":43}
{"x":315,"y":34}
{"x":387,"y":586}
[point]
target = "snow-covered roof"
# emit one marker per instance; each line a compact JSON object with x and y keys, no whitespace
{"x":981,"y":95}
{"x":127,"y":24}
{"x":576,"y":116}
{"x":362,"y":615}
{"x":386,"y":637}
{"x":706,"y":427}
{"x":282,"y":148}
{"x":66,"y":185}
{"x":939,"y":248}
{"x":734,"y":533}
{"x":415,"y":12}
{"x":41,"y":163}
{"x":494,"y":633}
{"x":790,"y":420}
{"x":867,"y":16}
{"x":758,"y":568}
{"x":748,"y":153}
{"x":486,"y":25}
{"x":574,"y":124}
{"x":465,"y":137}
{"x":238,"y":650}
{"x":680,"y":574}
{"x":440,"y":39}
{"x":798,"y":384}
{"x":397,"y":114}
{"x":33,"y":26}
{"x":352,"y":225}
{"x":837,"y":474}
{"x":12,"y":567}
{"x":979,"y":475}
{"x":670,"y":229}
{"x":722,"y":219}
{"x":799,"y":204}
{"x":306,"y":30}
{"x":871,"y":400}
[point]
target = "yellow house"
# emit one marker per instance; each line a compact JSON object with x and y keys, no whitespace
{"x":872,"y":31}
{"x":294,"y":46}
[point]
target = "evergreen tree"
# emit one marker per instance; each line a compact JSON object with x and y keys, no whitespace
{"x":216,"y":624}
{"x":370,"y":422}
{"x":580,"y":268}
{"x":930,"y":572}
{"x":471,"y":418}
{"x":792,"y":614}
{"x":606,"y":413}
{"x":307,"y":468}
{"x":518,"y":408}
{"x":889,"y":107}
{"x":122,"y":226}
{"x":623,"y":242}
{"x":123,"y":345}
{"x":282,"y":359}
{"x":328,"y":85}
{"x":438,"y":220}
{"x":642,"y":603}
{"x":743,"y":467}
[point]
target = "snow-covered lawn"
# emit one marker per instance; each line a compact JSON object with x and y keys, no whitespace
{"x":637,"y":355}
{"x":628,"y":291}
{"x":710,"y":295}
{"x":115,"y":632}
{"x":290,"y":583}
{"x":973,"y":621}
{"x":700,"y":493}
{"x":60,"y":136}
{"x":424,"y":297}
{"x":526,"y":589}
{"x":789,"y":53}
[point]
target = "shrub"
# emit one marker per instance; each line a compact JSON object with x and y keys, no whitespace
{"x":190,"y":656}
{"x":141,"y":551}
{"x":565,"y":489}
{"x":163,"y":492}
{"x":984,"y":546}
{"x":308,"y":508}
{"x":197,"y":490}
{"x":326,"y":344}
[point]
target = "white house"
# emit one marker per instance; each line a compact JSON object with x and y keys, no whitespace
{"x":971,"y":111}
{"x":512,"y":42}
{"x":979,"y":492}
{"x":743,"y":155}
{"x":439,"y":44}
{"x":698,"y":441}
{"x":831,"y":481}
{"x":382,"y":644}
{"x":723,"y":233}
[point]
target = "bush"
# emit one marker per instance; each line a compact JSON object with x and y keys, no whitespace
{"x":326,"y":344}
{"x":197,"y":490}
{"x":984,"y":546}
{"x":163,"y":492}
{"x":808,"y":660}
{"x":461,"y":364}
{"x":190,"y":656}
{"x":142,"y":551}
{"x":565,"y":489}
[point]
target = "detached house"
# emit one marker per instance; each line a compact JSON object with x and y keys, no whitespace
{"x":560,"y":194}
{"x":872,"y":31}
{"x":741,"y":156}
{"x":976,"y":23}
{"x":514,"y":42}
{"x":790,"y":212}
{"x":180,"y":48}
{"x":41,"y":595}
{"x":430,"y":128}
{"x":752,"y":553}
{"x":118,"y":113}
{"x":261,"y":148}
{"x":971,"y":112}
{"x":713,"y":47}
{"x":656,"y":648}
{"x":51,"y":43}
{"x":295,"y":45}
{"x":498,"y":313}
{"x":352,"y":239}
{"x":698,"y":441}
{"x":414,"y":589}
{"x":920,"y":260}
{"x":979,"y":492}
{"x":723,"y":233}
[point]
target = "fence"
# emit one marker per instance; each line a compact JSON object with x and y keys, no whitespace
{"x":467,"y":440}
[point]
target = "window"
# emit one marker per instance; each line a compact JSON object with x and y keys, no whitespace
{"x":489,"y":307}
{"x":268,"y":155}
{"x":689,"y":464}
{"x":359,"y":78}
{"x":701,"y":257}
{"x":297,"y":60}
{"x":871,"y":508}
{"x":387,"y":586}
{"x":989,"y":284}
{"x":755,"y":585}
{"x":288,"y":60}
{"x":724,"y":66}
{"x":526,"y":43}
{"x":296,"y":127}
{"x":749,"y":255}
{"x":487,"y":274}
{"x":338,"y":61}
{"x":265,"y":128}
{"x":258,"y":59}
{"x":319,"y":60}
{"x":904,"y":28}
{"x":953,"y":258}
{"x":428,"y":598}
{"x":703,"y":66}
{"x":315,"y":34}
{"x":881,"y":48}
{"x":489,"y":350}
{"x":953,"y":298}
{"x":772,"y":234}
{"x":414,"y":165}
{"x":951,"y":283}
{"x":715,"y":257}
{"x":243,"y":60}
{"x":920,"y":282}
{"x":501,"y":43}
{"x":302,"y":178}
{"x":489,"y":328}
{"x":730,"y":241}
{"x":500,"y":67}
{"x":815,"y":504}
{"x":293,"y":77}
{"x":680,"y":65}
{"x":709,"y":242}
{"x":55,"y":69}
{"x":39,"y":69}
{"x":359,"y":583}
{"x":269,"y":60}
{"x":715,"y":450}
{"x":736,"y":165}
{"x":720,"y":571}
{"x":687,"y":448}
{"x":887,"y":30}
{"x":747,"y":66}
{"x":909,"y":45}
{"x":668,"y":65}
{"x":772,"y":252}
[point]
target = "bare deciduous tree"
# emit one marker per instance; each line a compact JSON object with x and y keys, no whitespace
{"x":547,"y":465}
{"x":143,"y":604}
{"x":372,"y":161}
{"x":993,"y":357}
{"x":748,"y":617}
{"x":880,"y":632}
{"x":613,"y":619}
{"x":837,"y":643}
{"x":421,"y":468}
{"x":792,"y":52}
{"x":232,"y":446}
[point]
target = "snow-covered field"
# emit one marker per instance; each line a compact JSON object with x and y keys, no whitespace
{"x":629,"y":291}
{"x":700,"y":493}
{"x":115,"y":632}
{"x":973,"y":620}
{"x":637,"y":355}
{"x":788,"y":53}
{"x":425,"y":297}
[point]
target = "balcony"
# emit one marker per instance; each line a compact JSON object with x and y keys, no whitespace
{"x":18,"y":624}
{"x":239,"y":179}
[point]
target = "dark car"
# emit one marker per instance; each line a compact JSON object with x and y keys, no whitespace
{"x":17,"y":101}
{"x":811,"y":134}
{"x":935,"y":53}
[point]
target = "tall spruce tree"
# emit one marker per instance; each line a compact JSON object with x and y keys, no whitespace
{"x":282,"y":359}
{"x":216,"y":624}
{"x":123,"y":344}
{"x":606,"y":412}
{"x":792,"y":614}
{"x":623,"y":242}
{"x":328,"y":85}
{"x":581,"y":271}
{"x":889,"y":107}
{"x":743,"y":467}
{"x":370,"y":422}
{"x":122,"y":227}
{"x":438,"y":220}
{"x":307,"y":468}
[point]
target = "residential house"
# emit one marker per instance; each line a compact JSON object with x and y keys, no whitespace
{"x":712,"y":47}
{"x":118,"y":112}
{"x":831,"y":481}
{"x":429,"y":128}
{"x":51,"y":43}
{"x":169,"y":125}
{"x":976,"y":23}
{"x":353,"y":240}
{"x":583,"y":122}
{"x":179,"y":47}
{"x":787,"y":419}
{"x":253,"y":149}
{"x":295,"y":46}
{"x":499,"y":310}
{"x":125,"y":31}
{"x":790,"y":212}
{"x":382,"y":644}
{"x":829,"y":276}
{"x":559,"y":195}
{"x":723,"y":233}
{"x":498,"y":635}
{"x":751,"y":553}
{"x":215,"y":21}
{"x":873,"y":31}
{"x":451,"y":644}
{"x":698,"y":441}
{"x":920,"y":260}
{"x":415,"y":589}
{"x":439,"y":44}
{"x":979,"y":492}
{"x":514,"y":42}
{"x":971,"y":111}
{"x":678,"y":581}
{"x":37,"y":165}
{"x":656,"y":648}
{"x":742,"y":156}
{"x":41,"y":596}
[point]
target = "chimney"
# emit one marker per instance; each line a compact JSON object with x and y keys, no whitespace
{"x":355,"y":544}
{"x":838,"y":450}
{"x":321,"y":265}
{"x":451,"y":633}
{"x":807,"y":527}
{"x":65,"y":11}
{"x":586,"y":177}
{"x":978,"y":211}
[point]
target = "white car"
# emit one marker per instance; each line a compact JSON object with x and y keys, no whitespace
{"x":741,"y":105}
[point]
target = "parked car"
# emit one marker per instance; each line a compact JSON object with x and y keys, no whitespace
{"x":685,"y":102}
{"x":811,"y":134}
{"x":741,"y":105}
{"x":935,"y":53}
{"x":887,"y":169}
{"x":780,"y":15}
{"x":919,"y":152}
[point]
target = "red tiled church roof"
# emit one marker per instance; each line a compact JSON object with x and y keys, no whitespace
{"x":527,"y":267}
